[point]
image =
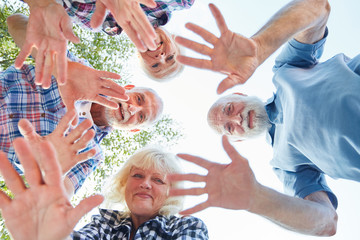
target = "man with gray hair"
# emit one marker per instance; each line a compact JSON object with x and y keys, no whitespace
{"x":312,"y":120}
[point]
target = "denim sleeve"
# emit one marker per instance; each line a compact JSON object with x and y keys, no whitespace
{"x":304,"y":181}
{"x":299,"y":54}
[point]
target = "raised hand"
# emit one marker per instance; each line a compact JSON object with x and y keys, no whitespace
{"x":49,"y":29}
{"x":229,"y":186}
{"x":41,"y":211}
{"x":232,"y":54}
{"x":85,"y":83}
{"x":132,"y":19}
{"x":67,"y":147}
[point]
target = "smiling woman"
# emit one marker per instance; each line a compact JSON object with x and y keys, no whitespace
{"x":141,"y":189}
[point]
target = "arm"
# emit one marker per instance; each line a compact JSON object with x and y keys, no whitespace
{"x":234,"y":186}
{"x":238,"y":57}
{"x":83,"y":83}
{"x":129,"y":15}
{"x":43,"y":210}
{"x":48,"y":31}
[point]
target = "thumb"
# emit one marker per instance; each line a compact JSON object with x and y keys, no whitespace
{"x":27,"y":130}
{"x":148,"y":3}
{"x":66,"y":27}
{"x":84,"y":207}
{"x":99,"y":15}
{"x":228,"y":83}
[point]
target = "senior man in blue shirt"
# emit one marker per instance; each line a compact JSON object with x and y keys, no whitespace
{"x":312,"y":119}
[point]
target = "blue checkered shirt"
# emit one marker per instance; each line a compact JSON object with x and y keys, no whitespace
{"x":22,"y":98}
{"x":81,"y":12}
{"x":110,"y":225}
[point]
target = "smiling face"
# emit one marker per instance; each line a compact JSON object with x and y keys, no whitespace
{"x":161,"y":62}
{"x":238,"y":116}
{"x":146,"y":191}
{"x":143,"y":107}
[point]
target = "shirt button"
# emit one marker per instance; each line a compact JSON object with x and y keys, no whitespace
{"x":84,"y":113}
{"x":42,"y":115}
{"x":11,"y":115}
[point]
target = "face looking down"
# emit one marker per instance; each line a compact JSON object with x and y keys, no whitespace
{"x":161,"y":62}
{"x":238,"y":116}
{"x":143,"y":107}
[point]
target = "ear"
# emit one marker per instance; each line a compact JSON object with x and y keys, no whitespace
{"x":135,"y":130}
{"x":129,"y":87}
{"x":242,"y":94}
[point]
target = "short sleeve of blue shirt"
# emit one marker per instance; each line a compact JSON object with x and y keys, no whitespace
{"x":299,"y":54}
{"x":304,"y":182}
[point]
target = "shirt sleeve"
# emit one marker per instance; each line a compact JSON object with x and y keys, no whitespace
{"x":190,"y":228}
{"x":304,"y":181}
{"x":300,"y":54}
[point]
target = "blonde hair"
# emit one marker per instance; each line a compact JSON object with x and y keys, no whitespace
{"x":169,"y":75}
{"x":147,"y":158}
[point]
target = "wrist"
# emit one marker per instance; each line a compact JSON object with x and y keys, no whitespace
{"x":39,"y":3}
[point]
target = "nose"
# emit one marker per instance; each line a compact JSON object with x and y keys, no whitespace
{"x":145,"y":184}
{"x":133,"y":109}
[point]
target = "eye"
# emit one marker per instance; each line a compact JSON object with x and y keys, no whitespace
{"x":138,"y":98}
{"x":141,"y":117}
{"x":228,"y":128}
{"x":170,"y":58}
{"x":228,"y":109}
{"x":137,"y":175}
{"x":159,"y":181}
{"x":155,"y":65}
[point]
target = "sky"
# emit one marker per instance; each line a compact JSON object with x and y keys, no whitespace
{"x":188,"y":98}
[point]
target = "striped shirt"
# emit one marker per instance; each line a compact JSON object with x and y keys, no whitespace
{"x":81,"y":12}
{"x":21,"y":98}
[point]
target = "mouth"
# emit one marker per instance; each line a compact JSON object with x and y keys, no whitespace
{"x":143,"y":195}
{"x":159,"y":45}
{"x":251,"y":115}
{"x":121,"y":111}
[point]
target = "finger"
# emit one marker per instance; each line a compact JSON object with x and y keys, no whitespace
{"x":84,"y":140}
{"x":48,"y":65}
{"x":39,"y":61}
{"x":143,"y":27}
{"x":105,"y":74}
{"x":76,"y":133}
{"x":114,"y":91}
{"x":205,"y":34}
{"x":66,"y":26}
{"x":197,"y":160}
{"x":50,"y":165}
{"x":228,"y":83}
{"x":195,"y":209}
{"x":187,"y":192}
{"x":106,"y":102}
{"x":84,"y":207}
{"x":24,"y":53}
{"x":27,"y":130}
{"x":230,"y":150}
{"x":84,"y":156}
{"x":13,"y":181}
{"x":64,"y":123}
{"x":133,"y":36}
{"x":61,"y":65}
{"x":4,"y":200}
{"x":99,"y":15}
{"x":187,"y":177}
{"x":194,"y":62}
{"x":220,"y":21}
{"x":197,"y":47}
{"x":28,"y":161}
{"x":148,"y":3}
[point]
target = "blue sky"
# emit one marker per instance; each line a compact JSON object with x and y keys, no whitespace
{"x":189,"y":97}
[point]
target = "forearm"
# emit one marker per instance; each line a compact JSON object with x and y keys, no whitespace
{"x":39,"y":3}
{"x":295,"y":214}
{"x":303,"y":19}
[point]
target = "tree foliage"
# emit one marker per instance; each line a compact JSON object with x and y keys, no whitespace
{"x":103,"y":53}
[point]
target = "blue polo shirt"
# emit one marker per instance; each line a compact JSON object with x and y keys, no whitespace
{"x":316,"y":118}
